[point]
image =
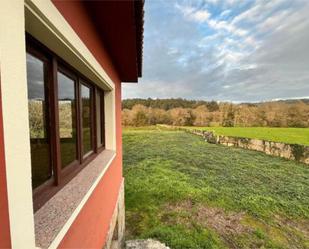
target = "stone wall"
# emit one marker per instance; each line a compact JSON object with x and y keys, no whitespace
{"x":295,"y":152}
{"x":116,"y":234}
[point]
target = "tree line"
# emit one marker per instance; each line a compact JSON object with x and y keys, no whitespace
{"x":167,"y":104}
{"x":141,"y":112}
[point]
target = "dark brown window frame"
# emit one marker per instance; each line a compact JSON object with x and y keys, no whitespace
{"x":61,"y":177}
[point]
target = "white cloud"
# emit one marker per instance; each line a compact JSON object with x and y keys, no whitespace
{"x":223,"y":25}
{"x":172,"y":51}
{"x":225,"y":13}
{"x":259,"y":11}
{"x":248,"y":14}
{"x":194,"y":14}
{"x":298,"y":97}
{"x":249,"y":40}
{"x":224,"y":2}
{"x":274,"y":22}
{"x":202,"y":15}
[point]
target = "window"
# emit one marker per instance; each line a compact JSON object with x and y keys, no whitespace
{"x":37,"y":106}
{"x":86,"y":119}
{"x":100,"y":118}
{"x":66,"y":121}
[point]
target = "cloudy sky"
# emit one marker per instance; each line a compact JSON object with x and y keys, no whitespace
{"x":225,"y":50}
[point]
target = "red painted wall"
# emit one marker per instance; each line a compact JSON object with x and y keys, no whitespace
{"x":90,"y":228}
{"x":5,"y":240}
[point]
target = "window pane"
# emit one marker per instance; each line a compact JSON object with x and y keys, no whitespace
{"x":39,"y":141}
{"x":100,"y":118}
{"x":98,"y":113}
{"x":86,"y":116}
{"x":67,"y":119}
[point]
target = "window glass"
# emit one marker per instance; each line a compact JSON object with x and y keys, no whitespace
{"x":102,"y":137}
{"x":67,"y":119}
{"x":86,"y":119}
{"x":100,"y":118}
{"x":98,"y":114}
{"x":39,"y":140}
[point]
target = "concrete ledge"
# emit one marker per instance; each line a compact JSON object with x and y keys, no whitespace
{"x":53,"y":220}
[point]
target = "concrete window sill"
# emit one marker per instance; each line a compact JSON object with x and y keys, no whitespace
{"x":53,"y":220}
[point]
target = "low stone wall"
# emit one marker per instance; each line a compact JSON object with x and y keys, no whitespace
{"x":295,"y":152}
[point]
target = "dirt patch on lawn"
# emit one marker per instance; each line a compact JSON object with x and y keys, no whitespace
{"x":301,"y":226}
{"x":223,"y":223}
{"x":232,"y":226}
{"x":227,"y":224}
{"x":215,"y":218}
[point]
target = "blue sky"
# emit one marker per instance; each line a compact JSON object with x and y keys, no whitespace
{"x":224,"y":50}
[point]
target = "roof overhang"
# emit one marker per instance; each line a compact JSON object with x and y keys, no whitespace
{"x":120,"y":25}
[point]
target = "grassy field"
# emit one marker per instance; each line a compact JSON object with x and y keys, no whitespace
{"x":285,"y":135}
{"x":191,"y":194}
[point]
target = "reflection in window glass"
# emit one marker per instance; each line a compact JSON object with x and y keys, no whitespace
{"x":67,"y":119}
{"x":86,"y":119}
{"x":39,"y":141}
{"x":102,"y":137}
{"x":100,"y":118}
{"x":98,"y":114}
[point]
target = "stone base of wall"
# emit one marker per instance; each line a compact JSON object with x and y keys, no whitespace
{"x":145,"y":244}
{"x":115,"y":237}
{"x":295,"y":152}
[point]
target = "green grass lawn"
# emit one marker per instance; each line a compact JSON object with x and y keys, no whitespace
{"x":285,"y":135}
{"x":191,"y":194}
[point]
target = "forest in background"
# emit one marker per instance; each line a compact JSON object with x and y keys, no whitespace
{"x":182,"y":112}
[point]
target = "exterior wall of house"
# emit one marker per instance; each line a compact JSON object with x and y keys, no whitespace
{"x":5,"y":240}
{"x":91,"y":227}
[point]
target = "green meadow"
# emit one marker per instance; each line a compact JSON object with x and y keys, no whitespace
{"x":285,"y":135}
{"x":193,"y":195}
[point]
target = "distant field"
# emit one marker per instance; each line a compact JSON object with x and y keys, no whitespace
{"x":285,"y":135}
{"x":194,"y":195}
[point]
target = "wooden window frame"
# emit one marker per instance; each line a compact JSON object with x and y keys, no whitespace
{"x":61,"y":177}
